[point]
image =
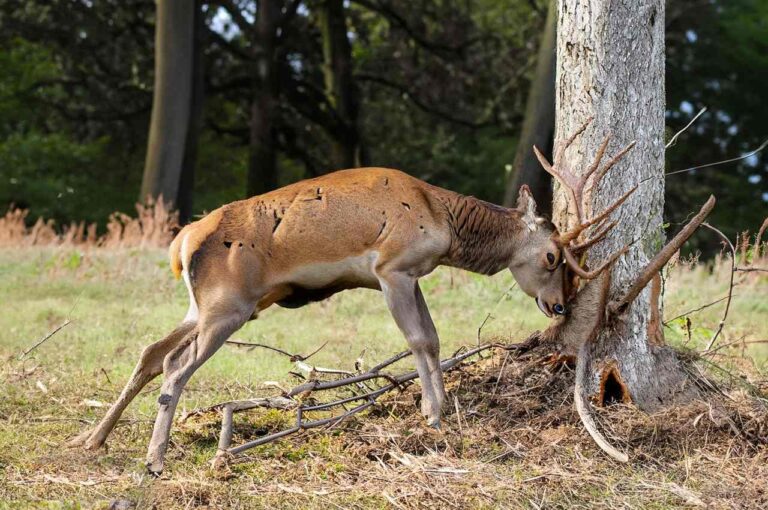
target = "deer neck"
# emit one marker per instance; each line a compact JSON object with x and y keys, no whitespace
{"x":484,"y":236}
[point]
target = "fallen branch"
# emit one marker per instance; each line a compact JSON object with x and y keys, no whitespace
{"x":296,"y":398}
{"x":45,"y":338}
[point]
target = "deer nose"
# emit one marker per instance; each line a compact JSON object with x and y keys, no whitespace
{"x":559,"y":309}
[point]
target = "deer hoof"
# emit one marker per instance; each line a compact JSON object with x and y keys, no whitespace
{"x":434,"y":423}
{"x":79,"y":440}
{"x":155,"y":468}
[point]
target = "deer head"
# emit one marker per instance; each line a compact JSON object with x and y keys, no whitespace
{"x":574,"y":242}
{"x":537,"y":264}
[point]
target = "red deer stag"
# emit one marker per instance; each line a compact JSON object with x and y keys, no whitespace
{"x":374,"y":228}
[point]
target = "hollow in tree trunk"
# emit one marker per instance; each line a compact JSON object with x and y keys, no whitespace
{"x":610,"y":66}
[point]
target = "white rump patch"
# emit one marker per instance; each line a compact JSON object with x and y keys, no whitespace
{"x":193,"y":312}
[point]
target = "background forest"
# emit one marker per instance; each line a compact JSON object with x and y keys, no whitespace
{"x":437,"y":88}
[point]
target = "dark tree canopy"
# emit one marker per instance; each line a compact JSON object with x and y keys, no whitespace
{"x":435,"y":88}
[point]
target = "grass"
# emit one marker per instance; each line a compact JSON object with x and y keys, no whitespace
{"x":120,"y":300}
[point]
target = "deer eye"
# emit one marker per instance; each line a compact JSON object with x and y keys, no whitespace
{"x":550,"y":258}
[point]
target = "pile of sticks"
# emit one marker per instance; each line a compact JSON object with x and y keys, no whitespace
{"x":366,"y":388}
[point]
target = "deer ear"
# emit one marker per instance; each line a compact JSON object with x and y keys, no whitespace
{"x":527,"y":205}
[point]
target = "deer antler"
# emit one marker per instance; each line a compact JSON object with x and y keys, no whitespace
{"x":576,"y":185}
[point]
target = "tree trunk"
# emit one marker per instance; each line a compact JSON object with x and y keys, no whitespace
{"x":539,"y":123}
{"x":262,"y":163}
{"x":174,"y":32}
{"x":610,"y":66}
{"x":187,"y":184}
{"x":340,"y":88}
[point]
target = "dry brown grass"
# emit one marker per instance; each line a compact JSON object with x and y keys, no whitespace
{"x":153,"y":226}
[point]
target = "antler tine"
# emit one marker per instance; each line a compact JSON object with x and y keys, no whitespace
{"x":572,"y":263}
{"x":578,"y":248}
{"x":544,"y":162}
{"x":598,"y":158}
{"x":563,"y":146}
{"x":623,"y":152}
{"x":566,"y":178}
{"x":573,"y":234}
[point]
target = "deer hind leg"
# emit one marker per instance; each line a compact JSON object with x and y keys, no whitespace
{"x":409,"y":309}
{"x":178,"y":367}
{"x":150,"y":365}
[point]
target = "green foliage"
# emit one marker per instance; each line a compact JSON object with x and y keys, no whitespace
{"x":58,"y":178}
{"x":442,"y":91}
{"x":717,"y":57}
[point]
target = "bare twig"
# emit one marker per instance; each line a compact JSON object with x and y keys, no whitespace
{"x":673,"y":140}
{"x":708,"y":165}
{"x":489,"y":316}
{"x":740,"y":342}
{"x":689,"y":312}
{"x":730,"y":284}
{"x":45,"y":338}
{"x":292,"y":357}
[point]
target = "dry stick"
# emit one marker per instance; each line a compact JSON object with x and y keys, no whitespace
{"x":730,"y":284}
{"x":495,"y":307}
{"x":673,"y":140}
{"x":689,"y":312}
{"x":731,"y":160}
{"x":740,"y":342}
{"x":293,"y":357}
{"x":751,"y":269}
{"x":44,"y":339}
{"x":287,"y":402}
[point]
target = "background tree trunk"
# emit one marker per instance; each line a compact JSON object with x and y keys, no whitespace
{"x":187,"y":183}
{"x":539,"y":123}
{"x":174,"y":33}
{"x":340,"y":88}
{"x":610,"y":66}
{"x":262,"y":164}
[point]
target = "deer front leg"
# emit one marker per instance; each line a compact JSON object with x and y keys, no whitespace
{"x":407,"y":305}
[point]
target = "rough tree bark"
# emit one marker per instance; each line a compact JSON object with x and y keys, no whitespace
{"x":610,"y":66}
{"x":340,"y":87}
{"x":174,"y":36}
{"x":262,"y":161}
{"x":539,"y":123}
